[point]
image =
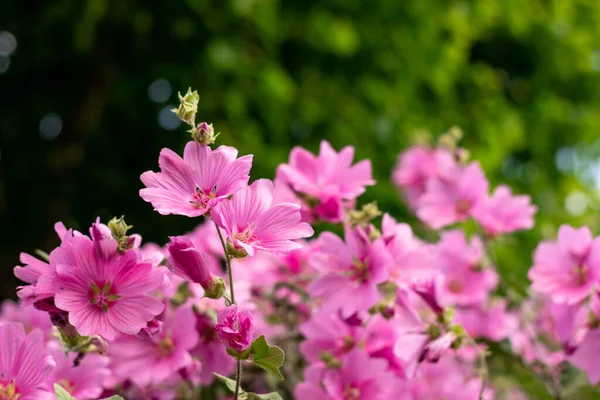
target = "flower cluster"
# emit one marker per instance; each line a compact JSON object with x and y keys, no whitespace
{"x":374,"y":309}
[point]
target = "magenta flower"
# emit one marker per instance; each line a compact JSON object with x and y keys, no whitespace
{"x":568,"y":269}
{"x":40,"y":274}
{"x":84,"y":380}
{"x":24,"y":364}
{"x":328,"y":333}
{"x":106,"y":292}
{"x":467,"y":280}
{"x":157,"y":358}
{"x":194,"y":265}
{"x":349,"y":272}
{"x":330,"y":174}
{"x":193,"y":185}
{"x":235,"y":329}
{"x":30,"y":317}
{"x":451,"y":198}
{"x":586,"y":356}
{"x":417,"y":166}
{"x":253,"y":223}
{"x":359,"y":378}
{"x":504,"y":213}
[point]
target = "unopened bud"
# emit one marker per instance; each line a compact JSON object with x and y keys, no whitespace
{"x":216,"y":288}
{"x":188,"y":107}
{"x":153,"y":327}
{"x":118,"y":227}
{"x":204,"y":134}
{"x":363,"y":216}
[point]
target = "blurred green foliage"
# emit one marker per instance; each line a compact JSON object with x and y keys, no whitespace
{"x":521,"y":78}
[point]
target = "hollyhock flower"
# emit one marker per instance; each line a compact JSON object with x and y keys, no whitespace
{"x":492,"y":322}
{"x":328,"y":333}
{"x":253,"y":223}
{"x":24,"y":364}
{"x":504,"y":213}
{"x":586,"y":356}
{"x":235,"y":329}
{"x":417,"y":166}
{"x":359,"y":377}
{"x":467,"y":280}
{"x":193,"y":185}
{"x":568,"y":269}
{"x":210,"y":351}
{"x":158,"y":357}
{"x":105,"y":295}
{"x":329,"y":174}
{"x":349,"y":272}
{"x":194,"y":265}
{"x":452,"y":198}
{"x":30,"y":317}
{"x":412,"y":258}
{"x":84,"y":380}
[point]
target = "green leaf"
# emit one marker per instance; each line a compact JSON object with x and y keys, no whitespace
{"x":61,"y":393}
{"x":230,"y":383}
{"x":115,"y":397}
{"x":267,"y":396}
{"x":270,"y":358}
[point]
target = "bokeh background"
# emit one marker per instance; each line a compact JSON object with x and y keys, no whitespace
{"x":86,"y":87}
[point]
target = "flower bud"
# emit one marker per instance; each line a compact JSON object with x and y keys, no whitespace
{"x":153,"y":327}
{"x":236,"y":330}
{"x":204,"y":134}
{"x":188,"y":107}
{"x":190,"y":263}
{"x":215,"y":289}
{"x":118,"y":227}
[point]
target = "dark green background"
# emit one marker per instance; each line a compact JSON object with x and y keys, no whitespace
{"x":521,"y":78}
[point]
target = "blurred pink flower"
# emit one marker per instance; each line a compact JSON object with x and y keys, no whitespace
{"x":567,"y":269}
{"x":504,"y":213}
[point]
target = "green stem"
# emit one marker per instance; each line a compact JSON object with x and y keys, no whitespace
{"x":238,"y":377}
{"x":228,"y":260}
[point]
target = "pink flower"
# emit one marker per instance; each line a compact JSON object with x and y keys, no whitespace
{"x":235,"y":329}
{"x":504,"y":213}
{"x":253,"y":223}
{"x":210,"y":351}
{"x":160,"y":356}
{"x":106,"y":292}
{"x":349,"y":272}
{"x":568,"y":269}
{"x":452,"y":198}
{"x":24,"y":364}
{"x":586,"y":356}
{"x":359,"y":378}
{"x":329,"y":174}
{"x":193,"y":185}
{"x":30,"y":317}
{"x":84,"y":380}
{"x":328,"y":333}
{"x":39,"y":274}
{"x":193,"y":265}
{"x":417,"y":166}
{"x":467,"y":280}
{"x":492,"y":322}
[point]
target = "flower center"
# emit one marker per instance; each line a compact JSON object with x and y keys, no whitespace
{"x":360,"y":271}
{"x":165,"y":346}
{"x":246,"y":236}
{"x":103,"y":296}
{"x":455,"y":286}
{"x":463,"y":206}
{"x":201,"y":199}
{"x":351,"y":393}
{"x":580,"y":274}
{"x":8,"y":392}
{"x":67,"y":385}
{"x":348,"y":343}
